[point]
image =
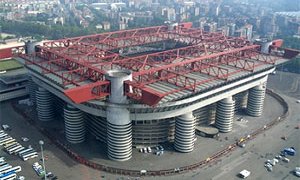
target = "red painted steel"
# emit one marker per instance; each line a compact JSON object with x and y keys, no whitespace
{"x":80,"y":63}
{"x":96,"y":90}
{"x":277,"y":42}
{"x":9,"y":52}
{"x":5,"y":53}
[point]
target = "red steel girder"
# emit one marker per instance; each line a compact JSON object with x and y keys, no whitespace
{"x":238,"y":62}
{"x":81,"y":93}
{"x":129,"y":41}
{"x":82,"y":60}
{"x":104,"y":37}
{"x":143,"y":62}
{"x":155,"y":58}
{"x":68,"y":62}
{"x":145,"y":95}
{"x":173,"y":75}
{"x":200,"y":64}
{"x":256,"y":55}
{"x":140,"y":63}
{"x":197,"y":36}
{"x":45,"y":69}
{"x":210,"y":47}
{"x":74,"y":72}
{"x":176,"y":75}
{"x":287,"y":52}
{"x":193,"y":60}
{"x":97,"y":90}
{"x":136,"y":38}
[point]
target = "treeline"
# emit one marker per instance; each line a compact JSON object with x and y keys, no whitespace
{"x":294,"y":43}
{"x":44,"y":31}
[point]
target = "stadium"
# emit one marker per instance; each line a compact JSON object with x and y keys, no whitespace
{"x":143,"y":87}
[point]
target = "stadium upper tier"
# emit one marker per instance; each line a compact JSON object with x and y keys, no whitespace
{"x":168,"y":63}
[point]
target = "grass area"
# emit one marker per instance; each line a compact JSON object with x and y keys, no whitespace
{"x":11,"y":64}
{"x":6,"y":35}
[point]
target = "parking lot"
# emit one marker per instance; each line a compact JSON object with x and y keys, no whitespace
{"x":56,"y":161}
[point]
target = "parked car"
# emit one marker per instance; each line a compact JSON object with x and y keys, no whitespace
{"x":244,"y":174}
{"x":38,"y":169}
{"x":289,"y":151}
{"x":161,"y":148}
{"x":278,"y":157}
{"x":285,"y":159}
{"x":269,"y":167}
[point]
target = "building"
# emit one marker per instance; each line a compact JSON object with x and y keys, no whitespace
{"x":225,"y":30}
{"x":150,"y":95}
{"x":169,"y":14}
{"x":106,"y":26}
{"x":210,"y":27}
{"x":232,"y":29}
{"x":245,"y":32}
{"x":249,"y":31}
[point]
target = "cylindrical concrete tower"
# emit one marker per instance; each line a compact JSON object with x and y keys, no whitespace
{"x":256,"y":100}
{"x":30,"y":46}
{"x":184,"y":132}
{"x":44,"y":105}
{"x":32,"y":88}
{"x":74,"y":124}
{"x":119,"y":127}
{"x":225,"y":113}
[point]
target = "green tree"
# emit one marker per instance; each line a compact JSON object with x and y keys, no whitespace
{"x":38,"y":30}
{"x":294,"y":43}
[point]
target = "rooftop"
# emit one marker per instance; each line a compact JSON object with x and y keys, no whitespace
{"x":168,"y":62}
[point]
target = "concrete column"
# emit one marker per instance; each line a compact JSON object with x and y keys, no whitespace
{"x":241,"y":100}
{"x":185,"y":133}
{"x":30,"y":46}
{"x":212,"y":109}
{"x":32,"y":88}
{"x":225,"y":113}
{"x":256,"y":100}
{"x":119,"y":126}
{"x":59,"y":107}
{"x":74,"y":125}
{"x":44,"y":107}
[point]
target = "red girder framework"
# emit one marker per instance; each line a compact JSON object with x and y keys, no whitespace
{"x":81,"y":63}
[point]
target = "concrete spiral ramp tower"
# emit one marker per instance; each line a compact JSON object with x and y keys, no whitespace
{"x":119,"y":125}
{"x":44,"y":107}
{"x":256,"y":100}
{"x":119,"y":141}
{"x":225,"y":113}
{"x":74,"y":125}
{"x":184,"y":133}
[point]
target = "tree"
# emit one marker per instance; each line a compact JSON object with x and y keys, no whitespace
{"x":38,"y":30}
{"x":294,"y":43}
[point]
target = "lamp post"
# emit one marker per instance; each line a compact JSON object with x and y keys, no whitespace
{"x":42,"y":143}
